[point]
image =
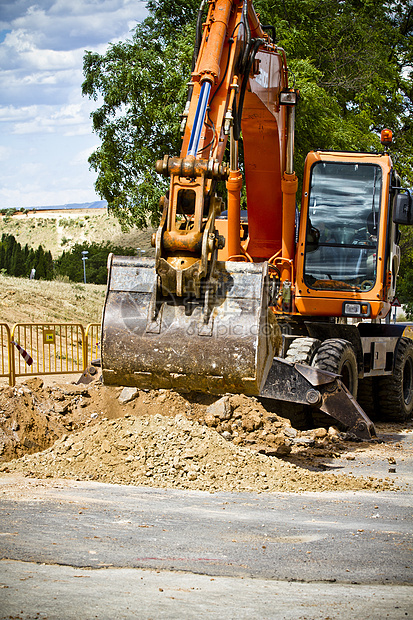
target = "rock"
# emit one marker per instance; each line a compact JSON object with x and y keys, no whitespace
{"x":34,"y":383}
{"x":221,"y":409}
{"x":106,"y":447}
{"x":226,"y":435}
{"x":289,"y":431}
{"x":304,"y":441}
{"x":333,"y":432}
{"x":282,"y":449}
{"x":320,"y":433}
{"x":252,"y":422}
{"x":128,"y":394}
{"x":61,"y":408}
{"x":210,"y":420}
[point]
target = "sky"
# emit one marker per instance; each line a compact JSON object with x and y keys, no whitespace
{"x":45,"y":127}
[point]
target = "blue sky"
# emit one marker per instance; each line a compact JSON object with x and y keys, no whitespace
{"x":45,"y":128}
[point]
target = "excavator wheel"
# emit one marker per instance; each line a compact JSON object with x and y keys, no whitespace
{"x":367,"y":396}
{"x":336,"y":355}
{"x":396,"y":391}
{"x":302,"y":350}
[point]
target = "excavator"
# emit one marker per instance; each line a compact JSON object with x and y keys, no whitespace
{"x":266,"y":300}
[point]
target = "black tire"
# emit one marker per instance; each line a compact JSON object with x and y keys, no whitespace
{"x":396,"y":391}
{"x":368,"y":397}
{"x":336,"y":355}
{"x":302,"y":350}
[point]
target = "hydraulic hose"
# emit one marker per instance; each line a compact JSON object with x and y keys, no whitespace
{"x":199,"y":118}
{"x":237,"y":112}
{"x":247,"y":31}
{"x":198,"y":37}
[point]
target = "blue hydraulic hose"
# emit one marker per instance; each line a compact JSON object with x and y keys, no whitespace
{"x":199,"y":118}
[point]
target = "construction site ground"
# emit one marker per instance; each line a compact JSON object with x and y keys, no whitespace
{"x":119,"y":503}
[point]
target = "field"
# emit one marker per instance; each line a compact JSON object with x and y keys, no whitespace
{"x":60,"y":230}
{"x":24,"y":300}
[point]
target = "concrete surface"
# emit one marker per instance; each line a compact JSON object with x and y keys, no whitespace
{"x":91,"y":550}
{"x":62,"y":592}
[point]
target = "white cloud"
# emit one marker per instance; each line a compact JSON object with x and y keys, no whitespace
{"x":45,"y":126}
{"x":69,"y":119}
{"x":83,"y":156}
{"x":4,"y":153}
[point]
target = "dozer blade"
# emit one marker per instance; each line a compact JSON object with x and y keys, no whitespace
{"x":219,"y":343}
{"x":299,"y":383}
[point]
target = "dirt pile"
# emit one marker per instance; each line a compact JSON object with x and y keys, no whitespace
{"x":33,"y":416}
{"x":174,"y":452}
{"x":203,"y":442}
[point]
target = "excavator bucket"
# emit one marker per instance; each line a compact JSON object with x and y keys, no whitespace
{"x":218,"y":343}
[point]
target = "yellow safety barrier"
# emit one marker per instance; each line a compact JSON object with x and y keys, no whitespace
{"x":6,"y":364}
{"x":92,"y":343}
{"x":54,"y":348}
{"x":47,"y":349}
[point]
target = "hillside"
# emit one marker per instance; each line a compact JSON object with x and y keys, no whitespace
{"x":28,"y":301}
{"x":59,"y":230}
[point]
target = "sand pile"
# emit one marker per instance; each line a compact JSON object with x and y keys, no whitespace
{"x":164,"y":439}
{"x":174,"y":452}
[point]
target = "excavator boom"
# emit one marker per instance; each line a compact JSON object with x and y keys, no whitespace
{"x":185,"y":319}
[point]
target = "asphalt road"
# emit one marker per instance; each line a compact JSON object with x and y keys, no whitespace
{"x":186,"y":554}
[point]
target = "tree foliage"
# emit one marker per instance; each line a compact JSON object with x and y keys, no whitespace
{"x":405,"y":280}
{"x":353,"y":63}
{"x":19,"y":261}
{"x":142,"y":83}
{"x":70,"y":263}
{"x":351,"y":59}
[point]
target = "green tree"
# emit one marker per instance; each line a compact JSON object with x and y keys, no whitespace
{"x":143,"y":85}
{"x":405,"y":280}
{"x":70,"y":262}
{"x":40,"y":263}
{"x":17,"y":267}
{"x":350,"y":59}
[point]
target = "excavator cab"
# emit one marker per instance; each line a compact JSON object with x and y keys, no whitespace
{"x":345,"y":272}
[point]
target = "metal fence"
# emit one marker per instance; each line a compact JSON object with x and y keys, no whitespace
{"x":92,"y":341}
{"x":6,"y":366}
{"x":47,"y":349}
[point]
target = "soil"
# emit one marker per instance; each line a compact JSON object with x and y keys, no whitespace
{"x":165,"y":439}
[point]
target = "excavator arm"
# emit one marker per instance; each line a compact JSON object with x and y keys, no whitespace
{"x":237,"y":79}
{"x":187,"y":319}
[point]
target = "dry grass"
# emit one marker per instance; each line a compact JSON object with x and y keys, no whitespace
{"x":60,"y":230}
{"x":31,"y":301}
{"x":28,"y":301}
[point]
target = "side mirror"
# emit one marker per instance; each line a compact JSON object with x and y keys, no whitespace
{"x":402,"y":211}
{"x":313,"y":238}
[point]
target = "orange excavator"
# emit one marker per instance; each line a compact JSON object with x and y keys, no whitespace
{"x":265,"y":300}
